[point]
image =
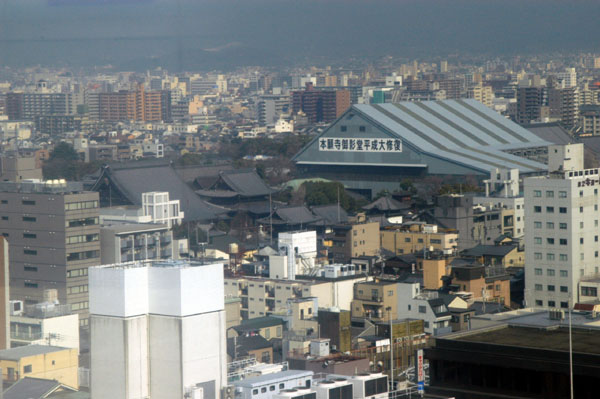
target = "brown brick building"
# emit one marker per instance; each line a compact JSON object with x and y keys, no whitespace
{"x":320,"y":105}
{"x":130,"y":105}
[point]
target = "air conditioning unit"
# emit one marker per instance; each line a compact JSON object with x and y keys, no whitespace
{"x":228,"y":392}
{"x":16,"y":308}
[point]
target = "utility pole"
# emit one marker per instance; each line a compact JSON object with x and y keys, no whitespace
{"x":389,"y":309}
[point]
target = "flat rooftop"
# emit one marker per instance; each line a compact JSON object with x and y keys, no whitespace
{"x":584,"y":340}
{"x":179,"y":263}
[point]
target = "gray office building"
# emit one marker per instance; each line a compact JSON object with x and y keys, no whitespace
{"x":54,"y":236}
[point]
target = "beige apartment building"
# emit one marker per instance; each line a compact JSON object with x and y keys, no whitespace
{"x":372,"y":299}
{"x":264,"y":296}
{"x":353,"y":239}
{"x":414,"y":237}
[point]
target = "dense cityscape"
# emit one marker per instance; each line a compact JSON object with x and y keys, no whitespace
{"x":379,"y":226}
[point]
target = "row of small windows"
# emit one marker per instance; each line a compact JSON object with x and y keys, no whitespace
{"x":551,"y":304}
{"x":74,"y":256}
{"x":562,"y":226}
{"x":550,"y":240}
{"x":80,"y":305}
{"x":82,"y":222}
{"x":78,"y":289}
{"x":551,"y":288}
{"x":550,"y":272}
{"x":73,"y":206}
{"x":550,"y":256}
{"x":561,"y":194}
{"x":589,"y":291}
{"x":550,"y":209}
{"x":77,"y":273}
{"x":82,"y":238}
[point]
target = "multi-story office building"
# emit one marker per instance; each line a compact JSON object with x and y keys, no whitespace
{"x":561,"y":220}
{"x":353,"y":239}
{"x":54,"y":236}
{"x":125,"y":242}
{"x":320,"y":105}
{"x":161,"y":209}
{"x":158,"y":330}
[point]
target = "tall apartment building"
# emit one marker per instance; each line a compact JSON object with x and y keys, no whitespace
{"x":353,"y":240}
{"x":54,"y":235}
{"x":530,"y":100}
{"x":417,"y":237}
{"x":157,"y":330}
{"x":561,"y":220}
{"x":133,"y":105}
{"x":27,"y":106}
{"x":483,"y":94}
{"x":589,"y":120}
{"x":563,"y":105}
{"x":320,"y":105}
{"x":269,"y":108}
{"x":568,"y":78}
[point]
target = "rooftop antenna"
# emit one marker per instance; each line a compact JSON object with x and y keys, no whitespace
{"x":570,"y":348}
{"x":338,"y":203}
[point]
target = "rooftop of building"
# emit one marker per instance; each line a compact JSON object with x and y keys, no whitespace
{"x":130,"y":227}
{"x":172,"y":263}
{"x":27,"y":351}
{"x":273,"y":378}
{"x":584,"y":340}
{"x":42,"y":187}
{"x":259,"y":322}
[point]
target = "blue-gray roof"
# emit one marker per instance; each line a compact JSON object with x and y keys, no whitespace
{"x":32,"y":388}
{"x":463,"y":132}
{"x":29,"y":350}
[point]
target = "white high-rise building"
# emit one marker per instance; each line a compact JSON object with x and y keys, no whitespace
{"x":568,"y":77}
{"x":561,"y":221}
{"x":157,"y":330}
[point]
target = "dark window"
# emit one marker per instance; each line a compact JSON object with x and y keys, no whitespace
{"x":30,"y":285}
{"x":272,"y":388}
{"x":4,"y":201}
{"x":29,"y":219}
{"x":589,"y":291}
{"x":375,"y":387}
{"x":30,"y":269}
{"x":28,"y":202}
{"x":562,"y":210}
{"x":30,"y":252}
{"x":27,"y":369}
{"x":362,"y":129}
{"x":4,"y":217}
{"x":343,"y":128}
{"x":29,"y":235}
{"x":263,"y":390}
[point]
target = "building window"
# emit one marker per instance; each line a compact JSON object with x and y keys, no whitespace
{"x":537,"y":225}
{"x":255,"y":392}
{"x":549,"y":209}
{"x":550,"y":225}
{"x":28,"y":202}
{"x":550,"y":241}
{"x":29,"y":219}
{"x":4,"y":202}
{"x":4,"y":217}
{"x":549,"y":256}
{"x":27,"y":369}
{"x":30,"y":252}
{"x":537,"y":209}
{"x":539,"y":303}
{"x":589,"y":291}
{"x":549,"y":194}
{"x":562,"y":194}
{"x":562,"y":209}
{"x":563,"y":257}
{"x":29,"y":235}
{"x":538,"y":287}
{"x":562,"y":241}
{"x":538,"y":271}
{"x":564,"y":305}
{"x":537,"y":240}
{"x":564,"y":273}
{"x":551,"y":304}
{"x":30,"y":268}
{"x":422,"y":309}
{"x":407,"y":239}
{"x":562,"y":226}
{"x":362,"y":128}
{"x":343,"y":128}
{"x":580,"y":209}
{"x":564,"y":288}
{"x":550,"y":272}
{"x":28,"y":284}
{"x":537,"y":193}
{"x":537,"y":255}
{"x":551,"y":288}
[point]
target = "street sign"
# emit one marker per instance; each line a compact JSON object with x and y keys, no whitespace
{"x":420,"y":372}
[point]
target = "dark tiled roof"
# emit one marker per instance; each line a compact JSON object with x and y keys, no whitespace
{"x":259,"y":322}
{"x":32,"y":388}
{"x":292,"y":215}
{"x":245,"y":183}
{"x":132,"y":181}
{"x":245,"y":344}
{"x":489,"y":250}
{"x":329,"y":213}
{"x":385,"y":204}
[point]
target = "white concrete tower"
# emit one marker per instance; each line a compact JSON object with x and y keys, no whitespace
{"x":157,"y":330}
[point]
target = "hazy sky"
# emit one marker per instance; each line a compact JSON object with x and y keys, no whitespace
{"x":229,"y":33}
